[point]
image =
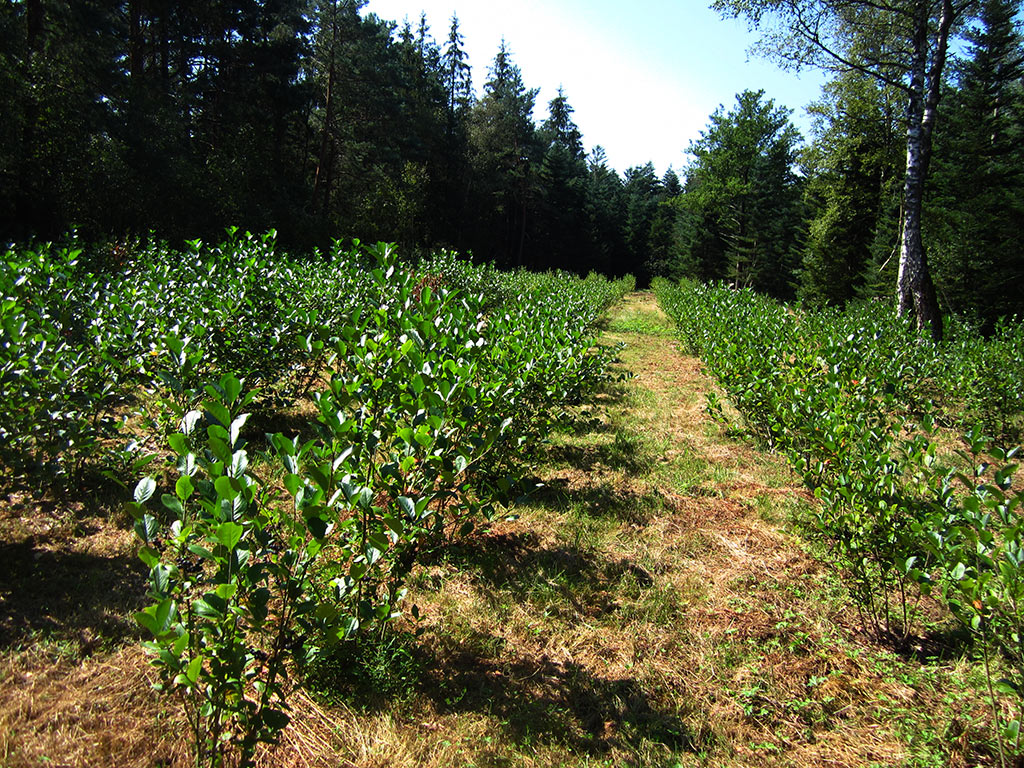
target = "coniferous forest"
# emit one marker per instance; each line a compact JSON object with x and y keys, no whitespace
{"x":322,"y":121}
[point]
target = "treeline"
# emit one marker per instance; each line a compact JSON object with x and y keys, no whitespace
{"x":822,"y":223}
{"x":307,"y":116}
{"x":321,"y":121}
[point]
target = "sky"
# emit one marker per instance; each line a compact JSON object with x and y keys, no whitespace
{"x":643,"y":77}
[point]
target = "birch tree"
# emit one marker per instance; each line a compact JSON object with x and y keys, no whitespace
{"x":902,"y":43}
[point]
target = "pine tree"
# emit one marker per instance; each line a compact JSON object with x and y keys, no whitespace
{"x":667,"y":237}
{"x":605,"y":212}
{"x":642,"y":190}
{"x":458,"y":76}
{"x":504,"y":153}
{"x":560,"y":129}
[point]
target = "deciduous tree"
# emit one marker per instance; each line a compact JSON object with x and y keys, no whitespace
{"x":904,"y":44}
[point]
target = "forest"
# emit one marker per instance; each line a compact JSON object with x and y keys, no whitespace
{"x":138,"y":119}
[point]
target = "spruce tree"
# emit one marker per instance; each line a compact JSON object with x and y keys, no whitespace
{"x":852,"y":193}
{"x":744,"y":190}
{"x":504,"y":152}
{"x":977,"y":203}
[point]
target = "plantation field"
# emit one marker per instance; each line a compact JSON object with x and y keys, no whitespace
{"x":436,"y":515}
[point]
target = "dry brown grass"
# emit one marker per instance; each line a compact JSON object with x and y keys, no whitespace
{"x":648,"y":607}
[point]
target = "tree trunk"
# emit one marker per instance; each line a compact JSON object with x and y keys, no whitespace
{"x":914,"y":287}
{"x":322,"y":176}
{"x":135,"y":54}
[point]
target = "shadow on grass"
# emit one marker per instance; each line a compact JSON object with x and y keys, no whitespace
{"x":67,"y":597}
{"x":289,"y":422}
{"x":515,"y":565}
{"x":948,"y":642}
{"x":599,"y":500}
{"x":626,"y":453}
{"x":537,"y":698}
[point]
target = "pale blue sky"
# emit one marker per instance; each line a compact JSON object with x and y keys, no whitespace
{"x":642,"y":76}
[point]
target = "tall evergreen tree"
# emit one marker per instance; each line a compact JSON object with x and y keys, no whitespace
{"x":743,"y":187}
{"x":605,"y":210}
{"x":854,"y":170}
{"x":559,"y":129}
{"x":668,"y":236}
{"x":504,"y":153}
{"x":560,"y":239}
{"x":458,"y":75}
{"x":976,"y":210}
{"x":454,"y":170}
{"x":642,"y":190}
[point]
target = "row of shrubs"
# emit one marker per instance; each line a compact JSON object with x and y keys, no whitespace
{"x":411,"y":392}
{"x":907,"y":445}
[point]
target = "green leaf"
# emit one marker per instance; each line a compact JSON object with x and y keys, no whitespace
{"x":149,"y":556}
{"x":282,"y":445}
{"x":146,"y":528}
{"x":232,"y":388}
{"x":183,"y":487}
{"x":408,"y":506}
{"x":218,"y":412}
{"x":180,"y":644}
{"x":229,"y":534}
{"x":1011,"y":731}
{"x":202,"y":552}
{"x":173,"y":504}
{"x":193,"y":669}
{"x":144,"y":490}
{"x":174,"y":344}
{"x":210,"y":606}
{"x":160,"y":575}
{"x":1007,"y":686}
{"x":158,"y":618}
{"x":227,"y":487}
{"x":293,"y":483}
{"x":226,"y":591}
{"x":178,"y":443}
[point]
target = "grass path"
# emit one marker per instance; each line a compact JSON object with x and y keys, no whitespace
{"x":648,"y":605}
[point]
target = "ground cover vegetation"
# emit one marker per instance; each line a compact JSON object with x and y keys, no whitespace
{"x":909,"y":446}
{"x":425,"y":389}
{"x":320,"y":120}
{"x":650,"y":603}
